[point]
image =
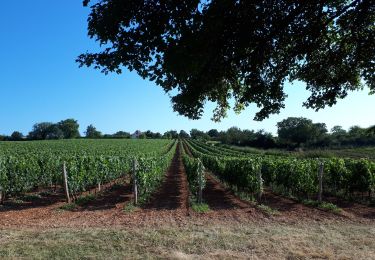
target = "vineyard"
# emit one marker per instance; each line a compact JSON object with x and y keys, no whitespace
{"x":80,"y":166}
{"x":286,"y":174}
{"x":27,"y":166}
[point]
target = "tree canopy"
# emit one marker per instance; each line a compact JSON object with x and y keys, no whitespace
{"x":70,"y":128}
{"x":211,"y":50}
{"x":299,"y":130}
{"x":91,"y":132}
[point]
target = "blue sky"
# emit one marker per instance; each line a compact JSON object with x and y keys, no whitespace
{"x":40,"y":81}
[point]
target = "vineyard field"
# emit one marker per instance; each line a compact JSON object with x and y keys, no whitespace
{"x":25,"y":166}
{"x":290,"y":175}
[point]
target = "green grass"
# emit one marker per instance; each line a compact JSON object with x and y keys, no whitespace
{"x":327,"y":206}
{"x":83,"y":200}
{"x":200,"y":207}
{"x":268,"y":210}
{"x":31,"y":197}
{"x":68,"y":206}
{"x":130,"y":207}
{"x":18,"y":201}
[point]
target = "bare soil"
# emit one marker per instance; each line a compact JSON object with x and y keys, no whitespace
{"x":170,"y":206}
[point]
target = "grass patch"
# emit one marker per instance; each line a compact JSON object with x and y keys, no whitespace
{"x":31,"y":197}
{"x":68,"y":206}
{"x":130,"y":207}
{"x":268,"y":210}
{"x":45,"y":193}
{"x":212,"y":241}
{"x":327,"y":206}
{"x":83,"y":200}
{"x":18,"y":201}
{"x":200,"y":207}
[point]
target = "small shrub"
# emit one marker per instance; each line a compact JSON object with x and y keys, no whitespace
{"x":268,"y":210}
{"x":200,"y":208}
{"x":85,"y":199}
{"x":31,"y":197}
{"x":68,"y":206}
{"x":130,"y":207}
{"x":329,"y":207}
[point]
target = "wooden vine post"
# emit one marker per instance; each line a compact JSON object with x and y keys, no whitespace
{"x":2,"y":196}
{"x":200,"y":181}
{"x":135,"y":183}
{"x":321,"y":172}
{"x":65,"y":180}
{"x":260,"y":184}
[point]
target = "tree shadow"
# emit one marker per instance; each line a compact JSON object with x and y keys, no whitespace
{"x":33,"y":200}
{"x":109,"y":199}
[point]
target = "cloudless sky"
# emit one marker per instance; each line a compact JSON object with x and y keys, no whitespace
{"x":40,"y":81}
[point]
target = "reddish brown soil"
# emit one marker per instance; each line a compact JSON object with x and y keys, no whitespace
{"x":168,"y":206}
{"x":174,"y":192}
{"x":353,"y":209}
{"x":290,"y":210}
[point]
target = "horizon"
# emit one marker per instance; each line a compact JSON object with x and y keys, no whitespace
{"x":41,"y":82}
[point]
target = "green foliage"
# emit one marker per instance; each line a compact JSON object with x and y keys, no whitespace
{"x":200,"y":207}
{"x":130,"y":207}
{"x":16,"y":136}
{"x":69,"y":128}
{"x":28,"y":165}
{"x":195,"y":174}
{"x":268,"y":210}
{"x":91,"y":132}
{"x":287,"y":174}
{"x":68,"y":206}
{"x":83,"y":200}
{"x":327,"y":206}
{"x":295,"y":130}
{"x":218,"y":51}
{"x":151,"y":171}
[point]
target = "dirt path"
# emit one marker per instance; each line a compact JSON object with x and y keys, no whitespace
{"x":174,"y":191}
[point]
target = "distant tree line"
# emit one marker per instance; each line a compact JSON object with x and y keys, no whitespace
{"x":293,"y":132}
{"x":69,"y":129}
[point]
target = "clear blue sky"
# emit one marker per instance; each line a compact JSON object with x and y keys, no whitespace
{"x":40,"y":81}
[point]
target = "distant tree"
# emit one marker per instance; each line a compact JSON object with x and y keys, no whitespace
{"x":320,"y":129}
{"x":197,"y":134}
{"x":121,"y":134}
{"x":298,"y":130}
{"x":264,"y":140}
{"x":338,"y":130}
{"x":151,"y":135}
{"x":183,"y":134}
{"x":157,"y":135}
{"x":69,"y":127}
{"x":142,"y":136}
{"x":16,"y":136}
{"x":213,"y":133}
{"x":371,"y":130}
{"x":172,"y":134}
{"x":167,"y":135}
{"x":356,"y":131}
{"x":2,"y":137}
{"x":91,"y":132}
{"x":236,"y":136}
{"x":54,"y":132}
{"x":40,"y":131}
